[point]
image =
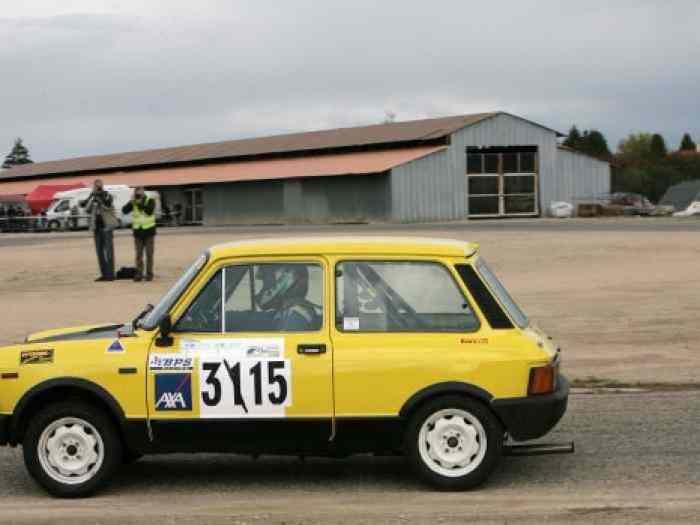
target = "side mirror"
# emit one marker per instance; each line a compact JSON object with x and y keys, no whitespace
{"x":165,"y":326}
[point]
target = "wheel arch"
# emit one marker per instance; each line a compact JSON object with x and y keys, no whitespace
{"x":441,"y":389}
{"x":42,"y":393}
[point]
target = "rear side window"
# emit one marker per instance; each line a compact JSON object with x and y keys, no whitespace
{"x":379,"y":296}
{"x":493,"y":312}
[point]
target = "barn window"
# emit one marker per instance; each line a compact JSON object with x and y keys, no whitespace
{"x":502,"y":181}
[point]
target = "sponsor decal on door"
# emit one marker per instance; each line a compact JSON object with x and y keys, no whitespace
{"x":173,"y":392}
{"x":242,"y":378}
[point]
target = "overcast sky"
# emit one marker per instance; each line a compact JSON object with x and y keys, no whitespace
{"x":82,"y":77}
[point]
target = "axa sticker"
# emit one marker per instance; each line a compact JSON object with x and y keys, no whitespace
{"x":167,"y":362}
{"x":244,"y":377}
{"x":115,"y":347}
{"x":173,"y":392}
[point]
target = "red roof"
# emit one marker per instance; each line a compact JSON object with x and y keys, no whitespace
{"x":408,"y":133}
{"x":354,"y":163}
{"x":41,"y":197}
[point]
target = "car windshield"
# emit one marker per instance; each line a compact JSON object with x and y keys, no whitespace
{"x":150,"y":321}
{"x":502,"y":294}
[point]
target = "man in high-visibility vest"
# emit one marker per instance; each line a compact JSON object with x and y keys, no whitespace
{"x":143,"y":210}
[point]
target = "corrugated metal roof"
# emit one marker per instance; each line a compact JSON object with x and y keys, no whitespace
{"x":328,"y":164}
{"x":414,"y":131}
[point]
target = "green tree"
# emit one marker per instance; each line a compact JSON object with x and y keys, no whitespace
{"x":594,"y":143}
{"x":18,"y":155}
{"x":636,"y":147}
{"x":687,"y":143}
{"x":657,"y":147}
{"x":573,"y":138}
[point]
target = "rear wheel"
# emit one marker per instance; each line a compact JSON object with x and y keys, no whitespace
{"x":454,"y":443}
{"x":71,"y":449}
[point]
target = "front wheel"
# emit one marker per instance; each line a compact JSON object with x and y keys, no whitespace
{"x":454,"y":443}
{"x":71,"y":449}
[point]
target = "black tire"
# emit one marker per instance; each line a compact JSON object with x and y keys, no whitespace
{"x":104,"y":426}
{"x":54,"y":225}
{"x":494,"y":443}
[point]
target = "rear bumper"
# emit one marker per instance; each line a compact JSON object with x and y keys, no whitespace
{"x":4,"y":429}
{"x":533,"y":416}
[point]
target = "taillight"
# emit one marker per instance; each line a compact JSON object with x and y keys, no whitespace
{"x":543,"y":379}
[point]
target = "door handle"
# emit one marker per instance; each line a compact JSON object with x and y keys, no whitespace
{"x":311,"y":349}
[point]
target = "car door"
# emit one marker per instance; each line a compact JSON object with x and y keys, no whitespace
{"x":250,"y":366}
{"x":400,"y":325}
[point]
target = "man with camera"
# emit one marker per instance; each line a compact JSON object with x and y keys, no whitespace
{"x":103,"y":220}
{"x":143,"y":210}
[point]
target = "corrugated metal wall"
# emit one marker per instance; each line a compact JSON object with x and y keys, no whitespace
{"x":356,"y":198}
{"x":580,"y":177}
{"x":424,"y":190}
{"x":435,"y":187}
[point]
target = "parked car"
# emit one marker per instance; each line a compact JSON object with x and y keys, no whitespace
{"x":309,"y":346}
{"x":632,"y":203}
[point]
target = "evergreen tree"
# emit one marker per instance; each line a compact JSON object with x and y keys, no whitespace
{"x":18,"y":155}
{"x":594,"y":143}
{"x":687,"y":143}
{"x":573,"y":138}
{"x":657,"y":147}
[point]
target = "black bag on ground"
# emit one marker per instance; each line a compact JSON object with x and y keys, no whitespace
{"x":126,"y":272}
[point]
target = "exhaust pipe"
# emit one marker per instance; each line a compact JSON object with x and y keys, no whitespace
{"x":539,"y":449}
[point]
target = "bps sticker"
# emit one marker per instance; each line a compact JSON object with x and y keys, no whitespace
{"x":163,"y":362}
{"x":173,"y":392}
{"x":36,"y":357}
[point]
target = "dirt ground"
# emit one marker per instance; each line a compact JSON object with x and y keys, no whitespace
{"x":622,"y":305}
{"x":637,"y":461}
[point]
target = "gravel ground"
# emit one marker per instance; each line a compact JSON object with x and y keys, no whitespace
{"x":637,"y":461}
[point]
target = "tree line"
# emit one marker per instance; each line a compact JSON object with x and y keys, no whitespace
{"x":643,"y":162}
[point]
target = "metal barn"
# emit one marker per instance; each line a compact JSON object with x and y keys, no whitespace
{"x":443,"y":169}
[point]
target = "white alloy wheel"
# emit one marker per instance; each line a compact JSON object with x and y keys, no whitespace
{"x":452,"y":442}
{"x":70,"y":450}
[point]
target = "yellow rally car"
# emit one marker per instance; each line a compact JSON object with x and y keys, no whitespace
{"x":307,"y":346}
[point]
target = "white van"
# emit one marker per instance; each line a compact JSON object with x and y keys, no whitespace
{"x":65,"y":212}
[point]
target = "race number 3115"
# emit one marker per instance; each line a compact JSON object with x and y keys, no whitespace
{"x":240,"y":388}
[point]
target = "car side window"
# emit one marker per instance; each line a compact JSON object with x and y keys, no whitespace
{"x":400,"y":296}
{"x":285,"y":297}
{"x":204,"y":313}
